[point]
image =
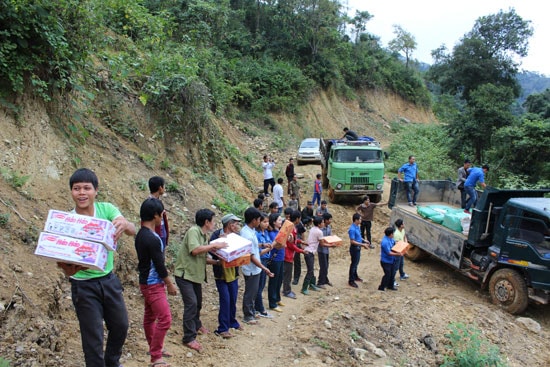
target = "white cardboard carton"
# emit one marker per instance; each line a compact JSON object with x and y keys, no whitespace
{"x":72,"y":250}
{"x":81,"y":226}
{"x":238,"y":246}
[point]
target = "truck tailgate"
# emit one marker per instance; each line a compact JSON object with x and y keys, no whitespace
{"x":431,"y":237}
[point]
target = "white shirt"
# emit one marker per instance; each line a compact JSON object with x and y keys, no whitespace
{"x":278,"y":195}
{"x":267,"y":166}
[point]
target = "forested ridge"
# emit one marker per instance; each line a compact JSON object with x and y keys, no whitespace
{"x":189,"y":61}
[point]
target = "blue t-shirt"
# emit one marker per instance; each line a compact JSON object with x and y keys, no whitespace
{"x":386,"y":246}
{"x":250,"y":234}
{"x":475,"y":175}
{"x":263,"y":237}
{"x":410,"y":171}
{"x":278,"y":252}
{"x":354,"y":233}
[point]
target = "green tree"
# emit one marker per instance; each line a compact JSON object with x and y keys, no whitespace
{"x":481,"y":72}
{"x":539,"y":104}
{"x":404,"y":42}
{"x":359,"y":22}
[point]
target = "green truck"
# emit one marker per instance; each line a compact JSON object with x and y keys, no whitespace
{"x":505,"y":248}
{"x":352,"y":168}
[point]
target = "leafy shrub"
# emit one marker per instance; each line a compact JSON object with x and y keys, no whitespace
{"x":468,"y":348}
{"x":4,"y":219}
{"x":15,"y":179}
{"x":4,"y":362}
{"x":429,"y":144}
{"x":42,"y":43}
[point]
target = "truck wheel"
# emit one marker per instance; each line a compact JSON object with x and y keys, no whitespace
{"x":508,"y":290}
{"x":332,"y":196}
{"x":415,"y":253}
{"x":376,"y":198}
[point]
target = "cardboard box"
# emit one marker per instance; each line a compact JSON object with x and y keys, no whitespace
{"x":284,"y":232}
{"x":238,"y":246}
{"x":240,"y":261}
{"x":400,"y":247}
{"x":65,"y":249}
{"x":333,"y":240}
{"x":81,"y":226}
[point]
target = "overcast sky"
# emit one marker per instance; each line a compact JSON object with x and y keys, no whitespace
{"x":437,"y":22}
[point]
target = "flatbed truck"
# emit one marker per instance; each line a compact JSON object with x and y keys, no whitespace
{"x":507,"y":246}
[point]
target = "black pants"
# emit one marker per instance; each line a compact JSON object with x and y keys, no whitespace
{"x":297,"y":266}
{"x":366,"y":226}
{"x":269,"y":181}
{"x":323,"y":268}
{"x":389,"y":275}
{"x":96,"y":300}
{"x":355,"y":252}
{"x":191,"y":294}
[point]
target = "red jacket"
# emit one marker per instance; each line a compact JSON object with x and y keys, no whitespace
{"x":291,"y":248}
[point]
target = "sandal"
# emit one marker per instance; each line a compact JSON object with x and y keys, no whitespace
{"x":165,"y":354}
{"x":224,"y":334}
{"x":195,"y":345}
{"x":160,"y":363}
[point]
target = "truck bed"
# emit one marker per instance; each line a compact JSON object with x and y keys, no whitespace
{"x":431,"y":237}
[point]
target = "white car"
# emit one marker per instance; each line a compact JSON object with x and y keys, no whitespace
{"x":309,"y":151}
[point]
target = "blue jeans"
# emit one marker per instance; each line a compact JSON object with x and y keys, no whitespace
{"x":259,"y":302}
{"x":228,"y":304}
{"x":96,"y":300}
{"x":317,"y":197}
{"x":355,"y":252}
{"x":191,"y":295}
{"x":275,"y":283}
{"x":412,"y":186}
{"x":471,"y":191}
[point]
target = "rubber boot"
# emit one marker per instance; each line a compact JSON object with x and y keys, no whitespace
{"x":305,"y":286}
{"x":312,"y":285}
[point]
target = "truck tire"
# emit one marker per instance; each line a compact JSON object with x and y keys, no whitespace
{"x":415,"y":253}
{"x":376,"y":198}
{"x":508,"y":290}
{"x":332,"y":196}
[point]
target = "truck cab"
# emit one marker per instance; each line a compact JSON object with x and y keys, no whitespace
{"x":352,"y":168}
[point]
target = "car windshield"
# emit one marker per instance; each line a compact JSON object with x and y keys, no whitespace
{"x":354,"y":155}
{"x":309,"y":144}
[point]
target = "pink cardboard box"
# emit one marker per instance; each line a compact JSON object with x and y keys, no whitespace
{"x":238,"y":246}
{"x":81,"y":226}
{"x":92,"y":255}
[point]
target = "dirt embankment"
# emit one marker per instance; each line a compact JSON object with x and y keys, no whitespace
{"x":337,"y":326}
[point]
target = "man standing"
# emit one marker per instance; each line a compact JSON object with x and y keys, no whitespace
{"x":317,"y":190}
{"x":323,"y":253}
{"x":97,"y":295}
{"x":388,"y":260}
{"x":156,"y":189}
{"x":410,"y":180}
{"x":475,"y":175}
{"x":462,"y":176}
{"x":356,"y":242}
{"x":278,"y":194}
{"x":227,"y":281}
{"x":190,"y":272}
{"x":295,"y":189}
{"x":252,"y":271}
{"x":289,"y":173}
{"x":267,"y":166}
{"x":366,"y":210}
{"x":154,"y":279}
